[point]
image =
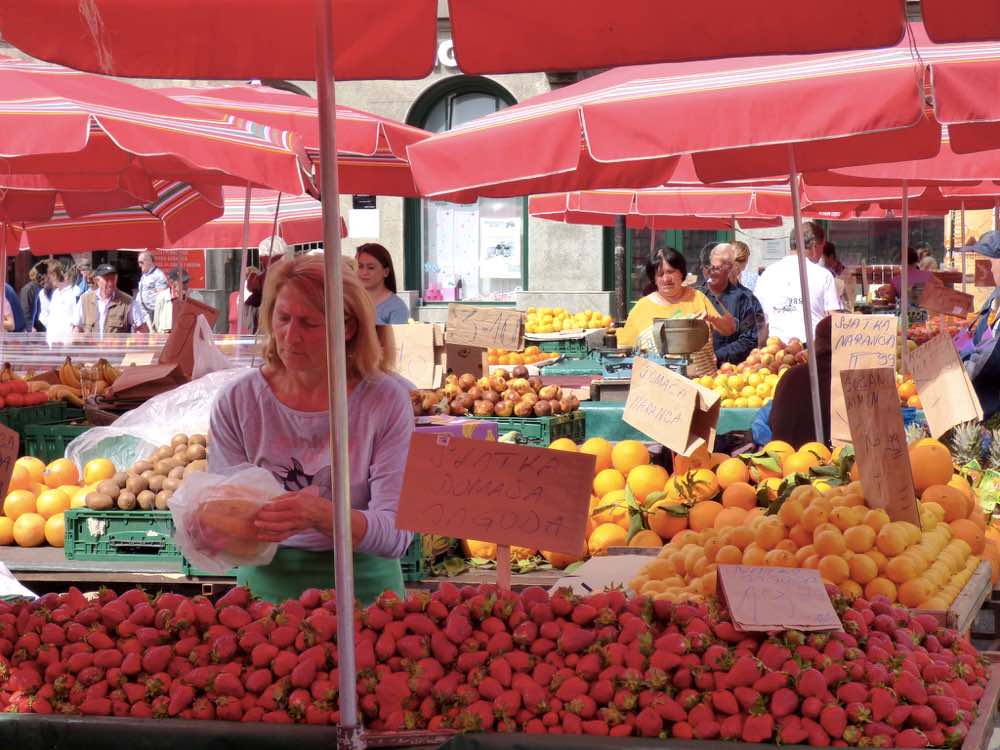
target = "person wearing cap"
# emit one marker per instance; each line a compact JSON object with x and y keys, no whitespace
{"x":731,"y":299}
{"x":106,"y":309}
{"x":151,"y":283}
{"x":177,"y":284}
{"x":982,"y":361}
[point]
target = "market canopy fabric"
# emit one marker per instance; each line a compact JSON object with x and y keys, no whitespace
{"x":961,"y":20}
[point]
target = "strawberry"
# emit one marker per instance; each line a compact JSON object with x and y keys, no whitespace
{"x":833,"y":719}
{"x":155,"y":659}
{"x":725,"y":702}
{"x":771,"y":682}
{"x":910,"y":688}
{"x":744,"y":672}
{"x":96,"y":707}
{"x":731,"y":728}
{"x":784,"y":701}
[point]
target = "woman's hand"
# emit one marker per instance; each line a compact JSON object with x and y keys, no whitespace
{"x":724,"y":324}
{"x":292,"y":513}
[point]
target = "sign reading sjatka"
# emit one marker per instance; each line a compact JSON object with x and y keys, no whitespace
{"x":946,"y":392}
{"x":879,"y":441}
{"x":763,"y":599}
{"x":485,"y":326}
{"x":671,"y":409}
{"x":508,"y":494}
{"x":858,"y":341}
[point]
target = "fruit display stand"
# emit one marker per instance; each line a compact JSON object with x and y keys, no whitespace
{"x":961,"y":615}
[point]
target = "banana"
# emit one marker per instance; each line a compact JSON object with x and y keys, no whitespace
{"x":34,"y":386}
{"x":108,"y":373}
{"x":66,"y":393}
{"x":7,"y":373}
{"x":69,"y":374}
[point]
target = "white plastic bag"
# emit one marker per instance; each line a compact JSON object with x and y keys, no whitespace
{"x":213,"y":518}
{"x":134,"y":435}
{"x":207,"y":356}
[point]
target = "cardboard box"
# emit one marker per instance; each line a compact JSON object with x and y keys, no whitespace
{"x":479,"y":429}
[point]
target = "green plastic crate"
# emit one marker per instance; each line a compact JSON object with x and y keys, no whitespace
{"x":120,"y":536}
{"x":412,"y":562}
{"x":18,"y":418}
{"x":192,"y":572}
{"x":48,"y":441}
{"x":569,"y":348}
{"x":540,"y":431}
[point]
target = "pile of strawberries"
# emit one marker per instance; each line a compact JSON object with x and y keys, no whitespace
{"x":481,"y":659}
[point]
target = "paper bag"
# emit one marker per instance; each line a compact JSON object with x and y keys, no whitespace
{"x":141,"y":382}
{"x":179,"y":348}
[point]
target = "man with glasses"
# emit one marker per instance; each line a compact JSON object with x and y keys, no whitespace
{"x":732,"y":299}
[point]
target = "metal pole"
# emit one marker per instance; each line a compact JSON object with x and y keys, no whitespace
{"x":817,"y":408}
{"x":904,"y":307}
{"x":3,"y":283}
{"x":963,"y":246}
{"x":620,"y":273}
{"x":349,"y":735}
{"x":240,"y":298}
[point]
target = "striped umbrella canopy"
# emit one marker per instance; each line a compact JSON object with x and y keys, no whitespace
{"x":961,"y":20}
{"x":371,"y":150}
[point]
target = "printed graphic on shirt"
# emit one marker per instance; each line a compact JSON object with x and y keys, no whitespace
{"x":294,"y":478}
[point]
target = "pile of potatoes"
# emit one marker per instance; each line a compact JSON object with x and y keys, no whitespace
{"x":151,"y":482}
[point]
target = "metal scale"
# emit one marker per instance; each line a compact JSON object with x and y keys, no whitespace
{"x":669,"y":342}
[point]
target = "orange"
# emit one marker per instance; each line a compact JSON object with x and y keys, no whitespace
{"x":834,"y":569}
{"x":739,"y":495}
{"x":788,"y":545}
{"x":604,"y":536}
{"x":914,"y":402}
{"x":955,"y":504}
{"x":79,"y":498}
{"x":628,"y":454}
{"x":560,"y":560}
{"x":800,"y":536}
{"x":930,"y":463}
{"x":54,"y":530}
{"x":771,"y":484}
{"x":901,"y":569}
{"x":728,"y":517}
{"x":731,"y":471}
{"x":741,"y":537}
{"x":850,"y":589}
{"x":608,"y":480}
{"x":646,"y":538}
{"x":729,"y":554}
{"x":876,"y":518}
{"x":700,"y":459}
{"x":6,"y":531}
{"x":841,"y":517}
{"x":780,"y":448}
{"x":811,"y":562}
{"x":702,"y":515}
{"x":97,"y":470}
{"x":804,"y":553}
{"x":906,"y":390}
{"x":891,"y":540}
{"x":760,"y":473}
{"x":790,"y":512}
{"x":702,"y":484}
{"x":769,"y":533}
{"x":29,"y":530}
{"x":779,"y":558}
{"x":17,"y":503}
{"x":601,"y":448}
{"x":799,"y":463}
{"x":881,"y":561}
{"x":20,"y":479}
{"x":829,"y":543}
{"x":34,"y":466}
{"x":859,"y":538}
{"x":817,"y":449}
{"x":862,"y":568}
{"x":970,"y":533}
{"x":913,"y":592}
{"x":563,"y":444}
{"x":961,"y":484}
{"x":665,"y":524}
{"x":59,"y":472}
{"x":814,"y":516}
{"x":754,"y":555}
{"x":645,"y":480}
{"x":617,"y":512}
{"x":51,"y":503}
{"x":483,"y":550}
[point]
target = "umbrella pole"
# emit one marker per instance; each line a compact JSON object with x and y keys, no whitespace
{"x":963,"y":246}
{"x":349,"y":734}
{"x":620,"y":303}
{"x":241,"y":292}
{"x":817,"y":407}
{"x":904,"y":276}
{"x":3,"y":283}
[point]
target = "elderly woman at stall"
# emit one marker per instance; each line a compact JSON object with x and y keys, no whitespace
{"x":732,"y":299}
{"x":667,"y":269}
{"x":982,"y":358}
{"x":277,"y":417}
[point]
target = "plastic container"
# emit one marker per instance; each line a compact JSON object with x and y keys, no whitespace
{"x":48,"y":441}
{"x":541,"y":431}
{"x":192,"y":572}
{"x":412,"y":562}
{"x":569,"y":348}
{"x":120,"y":535}
{"x":18,"y":418}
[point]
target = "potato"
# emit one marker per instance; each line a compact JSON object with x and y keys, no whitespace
{"x":163,"y":467}
{"x":162,"y":501}
{"x":108,"y":487}
{"x":146,"y":500}
{"x":180,"y":449}
{"x":198,"y":440}
{"x":136,"y":484}
{"x":156,"y":482}
{"x":148,"y":474}
{"x":126,"y":500}
{"x":141,"y":467}
{"x":195,"y":466}
{"x":99,"y":501}
{"x":196,"y":453}
{"x":178,"y":439}
{"x":176,"y":473}
{"x":171,"y":484}
{"x":120,"y":477}
{"x":164,"y":451}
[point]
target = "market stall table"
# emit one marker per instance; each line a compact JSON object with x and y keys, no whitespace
{"x":604,"y":419}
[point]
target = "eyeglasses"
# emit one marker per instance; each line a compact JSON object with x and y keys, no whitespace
{"x":722,"y":267}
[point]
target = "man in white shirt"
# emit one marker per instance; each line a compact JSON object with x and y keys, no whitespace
{"x":780,"y":291}
{"x":151,"y":283}
{"x":106,"y":309}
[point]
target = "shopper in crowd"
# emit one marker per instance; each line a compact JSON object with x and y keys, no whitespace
{"x":925,"y":257}
{"x":177,"y":285}
{"x":916,"y":279}
{"x":379,"y":278}
{"x":29,"y":295}
{"x":779,"y":289}
{"x":277,"y":417}
{"x":791,"y":417}
{"x":44,"y":299}
{"x":86,"y":281}
{"x":982,"y":361}
{"x":842,"y":275}
{"x":830,"y":261}
{"x":58,"y":314}
{"x":733,"y":299}
{"x":12,"y":308}
{"x":151,"y":283}
{"x":741,"y":274}
{"x":107,"y":309}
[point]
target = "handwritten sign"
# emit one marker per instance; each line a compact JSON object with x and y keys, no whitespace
{"x":138,"y":358}
{"x":764,"y":599}
{"x":485,"y":326}
{"x":859,"y":341}
{"x":9,"y":444}
{"x":946,"y":392}
{"x":416,"y":359}
{"x":508,"y":494}
{"x":671,"y":409}
{"x":883,"y":458}
{"x":984,"y":273}
{"x":945,"y":300}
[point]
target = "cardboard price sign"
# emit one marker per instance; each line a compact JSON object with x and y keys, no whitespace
{"x":416,"y":359}
{"x":946,"y":392}
{"x":671,"y":409}
{"x":984,"y":273}
{"x":764,"y":599}
{"x":859,"y":341}
{"x":508,"y":494}
{"x":487,"y":327}
{"x":10,"y":443}
{"x":945,"y":300}
{"x":883,"y":457}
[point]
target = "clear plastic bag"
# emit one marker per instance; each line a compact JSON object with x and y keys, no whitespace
{"x":213,"y":518}
{"x":207,"y":356}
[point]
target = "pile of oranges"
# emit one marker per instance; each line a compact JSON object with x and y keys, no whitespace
{"x":907,"y":391}
{"x":39,"y":494}
{"x":531,"y":355}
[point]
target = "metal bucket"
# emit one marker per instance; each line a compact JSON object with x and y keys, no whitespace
{"x":682,"y":336}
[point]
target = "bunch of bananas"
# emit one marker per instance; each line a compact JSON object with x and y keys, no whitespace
{"x":73,"y":380}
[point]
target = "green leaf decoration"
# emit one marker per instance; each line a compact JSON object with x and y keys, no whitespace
{"x":573,"y":567}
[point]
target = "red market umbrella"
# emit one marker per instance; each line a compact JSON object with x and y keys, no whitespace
{"x":961,"y":20}
{"x":371,"y":150}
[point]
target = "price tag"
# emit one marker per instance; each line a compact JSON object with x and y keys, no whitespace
{"x":138,"y":358}
{"x":883,"y":457}
{"x":946,"y":392}
{"x":945,"y":300}
{"x":415,"y":356}
{"x":764,"y":599}
{"x":10,"y":442}
{"x":508,"y":494}
{"x":671,"y":409}
{"x":487,"y":327}
{"x":859,"y":341}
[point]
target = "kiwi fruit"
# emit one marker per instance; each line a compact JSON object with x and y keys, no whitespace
{"x":141,"y":467}
{"x":156,"y":482}
{"x":120,"y":477}
{"x":171,"y":484}
{"x":178,"y":439}
{"x":162,"y":501}
{"x":99,"y":501}
{"x":136,"y":484}
{"x":126,"y":500}
{"x":198,"y":440}
{"x":196,"y":453}
{"x":195,"y":466}
{"x":176,"y":473}
{"x":163,"y":467}
{"x":146,"y":500}
{"x":108,"y":487}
